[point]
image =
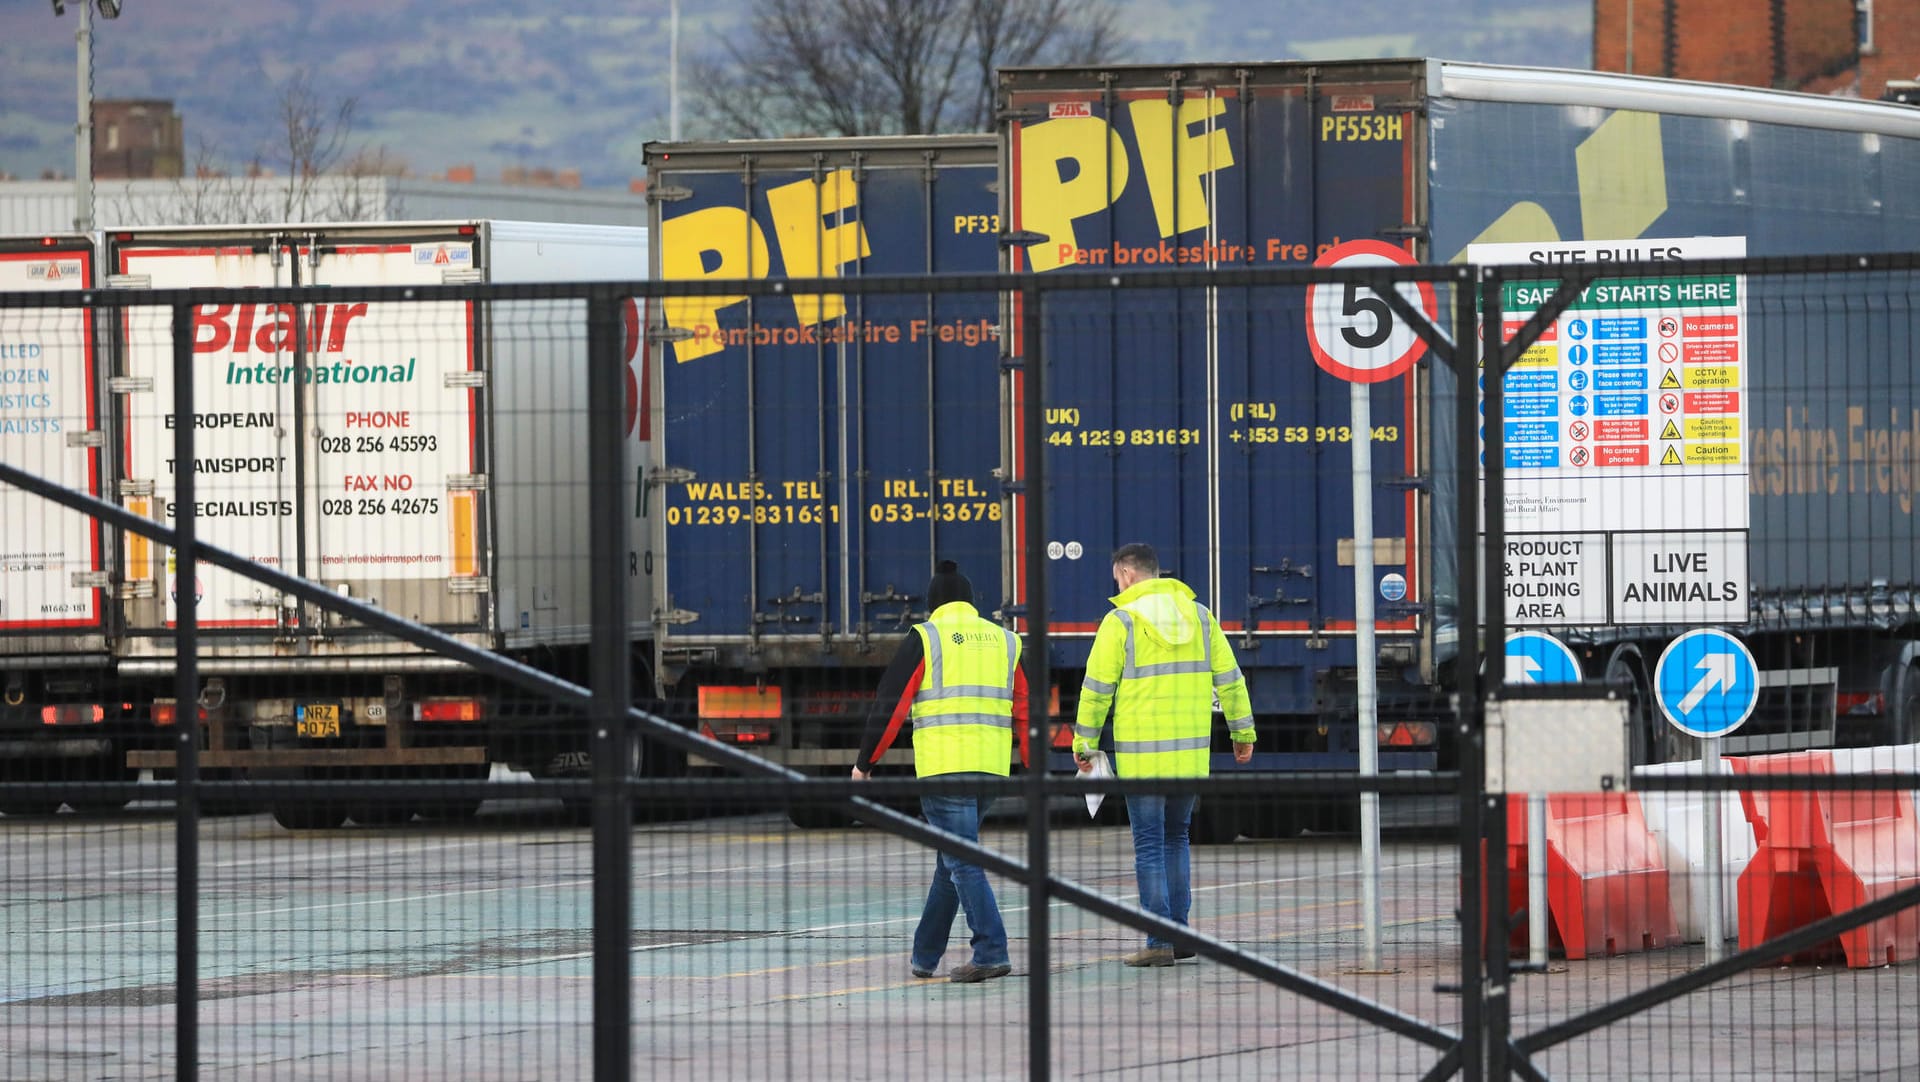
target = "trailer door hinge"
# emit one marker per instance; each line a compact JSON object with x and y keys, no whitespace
{"x":130,"y":281}
{"x":1413,"y":230}
{"x":92,"y":437}
{"x":466,"y":482}
{"x":135,"y":486}
{"x":461,"y":276}
{"x":83,"y":580}
{"x":667,"y":193}
{"x":464,"y":378}
{"x":1409,"y":483}
{"x":670,"y":475}
{"x":469,"y":584}
{"x":675,"y":616}
{"x":141,"y":589}
{"x":669,"y":334}
{"x":1022,"y":236}
{"x":130,"y":385}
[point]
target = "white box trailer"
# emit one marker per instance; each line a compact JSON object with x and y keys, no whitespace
{"x":59,"y":714}
{"x":429,"y":458}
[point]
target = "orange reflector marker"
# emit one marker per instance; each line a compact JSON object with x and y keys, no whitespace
{"x":721,"y":701}
{"x":464,"y":530}
{"x":139,"y":549}
{"x":448,"y":710}
{"x":72,"y":714}
{"x":163,"y":713}
{"x":1062,"y":735}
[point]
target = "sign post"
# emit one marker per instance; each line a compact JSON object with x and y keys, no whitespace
{"x":1355,"y":337}
{"x":1535,"y":657}
{"x":1707,"y":685}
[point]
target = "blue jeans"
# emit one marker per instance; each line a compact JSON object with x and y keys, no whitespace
{"x":1161,"y":861}
{"x":958,"y":884}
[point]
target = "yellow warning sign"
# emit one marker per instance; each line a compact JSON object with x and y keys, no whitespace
{"x":1672,"y":457}
{"x":1713,"y":376}
{"x":1712,"y":453}
{"x":1712,"y":428}
{"x":1669,"y":381}
{"x":1538,"y":356}
{"x":1671,"y":432}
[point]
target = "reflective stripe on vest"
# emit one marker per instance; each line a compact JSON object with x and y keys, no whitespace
{"x":962,"y":724}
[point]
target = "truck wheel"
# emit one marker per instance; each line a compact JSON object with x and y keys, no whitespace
{"x":1903,"y":719}
{"x":29,"y":770}
{"x":381,"y":813}
{"x":1627,"y":668}
{"x":305,"y":816}
{"x":456,"y":810}
{"x":818,"y":815}
{"x":1278,"y":817}
{"x":99,"y":770}
{"x":1215,"y":822}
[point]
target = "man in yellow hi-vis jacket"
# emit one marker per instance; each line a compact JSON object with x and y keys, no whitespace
{"x":1158,"y":661}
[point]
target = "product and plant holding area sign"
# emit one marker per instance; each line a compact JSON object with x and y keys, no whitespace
{"x":1622,"y":431}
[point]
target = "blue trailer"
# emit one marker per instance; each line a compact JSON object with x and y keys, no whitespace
{"x":817,"y":455}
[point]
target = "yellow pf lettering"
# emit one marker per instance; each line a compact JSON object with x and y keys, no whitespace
{"x":1176,"y":161}
{"x":739,"y":248}
{"x":811,"y":249}
{"x":1062,"y":178}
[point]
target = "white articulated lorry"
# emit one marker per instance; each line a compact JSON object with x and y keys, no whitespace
{"x":60,"y":719}
{"x":426,"y":458}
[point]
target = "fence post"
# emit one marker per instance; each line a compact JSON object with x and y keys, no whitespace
{"x":1039,"y":922}
{"x":1497,"y":1009}
{"x":186,"y":716}
{"x":1470,"y":733}
{"x":612,"y":681}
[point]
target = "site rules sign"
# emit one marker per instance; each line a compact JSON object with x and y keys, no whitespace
{"x":1623,"y":439}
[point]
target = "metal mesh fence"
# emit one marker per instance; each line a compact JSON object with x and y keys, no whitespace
{"x":517,"y":735}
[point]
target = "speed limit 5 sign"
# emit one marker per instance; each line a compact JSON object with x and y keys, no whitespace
{"x":1353,"y":332}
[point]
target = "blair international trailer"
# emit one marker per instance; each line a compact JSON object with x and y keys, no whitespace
{"x":427,"y":458}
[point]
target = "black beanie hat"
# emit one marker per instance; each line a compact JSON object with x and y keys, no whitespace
{"x":948,"y":585}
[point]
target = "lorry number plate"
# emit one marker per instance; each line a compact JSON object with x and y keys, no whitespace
{"x":318,"y":721}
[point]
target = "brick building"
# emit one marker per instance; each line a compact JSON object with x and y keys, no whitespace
{"x":1851,"y":47}
{"x":136,"y":140}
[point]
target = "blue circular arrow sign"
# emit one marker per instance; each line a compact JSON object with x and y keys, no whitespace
{"x":1707,"y":683}
{"x":1535,"y":657}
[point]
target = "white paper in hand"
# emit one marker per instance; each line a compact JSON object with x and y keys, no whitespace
{"x":1101,"y":768}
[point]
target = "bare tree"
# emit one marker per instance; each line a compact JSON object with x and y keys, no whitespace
{"x":315,"y":135}
{"x":312,"y":172}
{"x":878,"y":67}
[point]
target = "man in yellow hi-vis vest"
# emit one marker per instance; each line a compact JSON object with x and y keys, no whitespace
{"x":1158,"y":661}
{"x":957,"y":678}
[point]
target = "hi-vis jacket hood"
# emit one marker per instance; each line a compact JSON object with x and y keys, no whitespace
{"x":1165,"y":608}
{"x":1158,"y":662}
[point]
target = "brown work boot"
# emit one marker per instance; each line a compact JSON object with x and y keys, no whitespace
{"x":969,"y":973}
{"x":1152,"y":956}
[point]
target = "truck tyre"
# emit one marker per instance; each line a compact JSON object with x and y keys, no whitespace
{"x":820,"y":815}
{"x":1627,"y":669}
{"x":1276,"y":817}
{"x":308,"y":815}
{"x":381,"y":813}
{"x":456,"y":810}
{"x":1216,"y":821}
{"x":1903,"y":710}
{"x":29,"y":770}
